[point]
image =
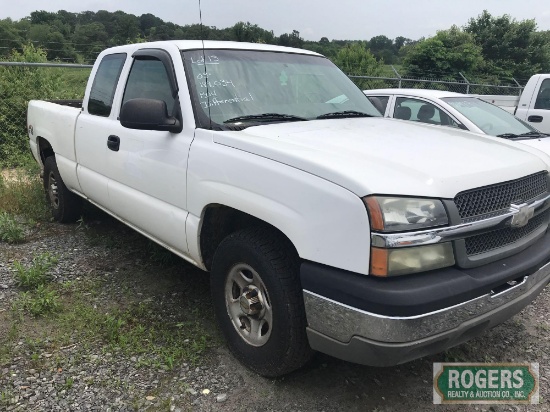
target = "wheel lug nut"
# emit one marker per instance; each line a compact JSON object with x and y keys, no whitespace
{"x":256,"y":306}
{"x":251,"y":293}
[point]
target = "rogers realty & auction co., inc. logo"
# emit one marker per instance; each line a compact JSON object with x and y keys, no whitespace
{"x":486,"y":383}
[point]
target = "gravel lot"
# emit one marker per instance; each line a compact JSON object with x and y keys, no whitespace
{"x":47,"y":365}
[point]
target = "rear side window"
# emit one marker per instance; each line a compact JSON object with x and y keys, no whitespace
{"x":105,"y":82}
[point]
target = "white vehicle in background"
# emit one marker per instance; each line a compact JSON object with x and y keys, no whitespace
{"x":533,"y":106}
{"x":456,"y":110}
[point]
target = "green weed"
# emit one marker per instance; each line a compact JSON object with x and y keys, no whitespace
{"x":11,"y":231}
{"x":41,"y":301}
{"x":68,"y":383}
{"x":37,"y":274}
{"x":113,"y":328}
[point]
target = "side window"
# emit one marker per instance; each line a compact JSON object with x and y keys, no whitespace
{"x":421,"y":111}
{"x":543,"y":98}
{"x":380,"y":102}
{"x":148,"y":79}
{"x":104,"y":86}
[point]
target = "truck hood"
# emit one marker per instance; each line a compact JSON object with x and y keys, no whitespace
{"x":383,"y":156}
{"x":540,"y":143}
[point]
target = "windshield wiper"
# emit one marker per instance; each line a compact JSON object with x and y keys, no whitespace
{"x":346,"y":113}
{"x":534,"y":134}
{"x":508,"y":135}
{"x":267,"y":117}
{"x":516,"y":136}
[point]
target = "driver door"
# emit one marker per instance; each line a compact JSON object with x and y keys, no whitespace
{"x":148,"y":168}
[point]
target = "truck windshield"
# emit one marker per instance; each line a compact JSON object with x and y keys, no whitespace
{"x":240,"y":88}
{"x":491,"y":119}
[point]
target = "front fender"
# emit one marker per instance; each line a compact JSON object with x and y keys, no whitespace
{"x":326,"y":223}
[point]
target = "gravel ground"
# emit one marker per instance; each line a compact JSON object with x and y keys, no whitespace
{"x":45,"y":369}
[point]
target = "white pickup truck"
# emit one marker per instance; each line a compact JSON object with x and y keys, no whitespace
{"x":533,"y":106}
{"x":323,"y":225}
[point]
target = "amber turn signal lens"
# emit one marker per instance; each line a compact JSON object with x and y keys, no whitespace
{"x":378,"y":262}
{"x":375,"y":213}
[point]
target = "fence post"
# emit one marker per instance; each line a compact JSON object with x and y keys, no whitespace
{"x":520,"y":87}
{"x":397,"y":74}
{"x":467,"y":83}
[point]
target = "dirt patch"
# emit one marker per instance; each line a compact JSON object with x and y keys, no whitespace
{"x":16,"y":176}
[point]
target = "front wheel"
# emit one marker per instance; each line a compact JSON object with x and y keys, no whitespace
{"x":65,"y":206}
{"x":258,"y":301}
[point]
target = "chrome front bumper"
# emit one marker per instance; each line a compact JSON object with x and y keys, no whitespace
{"x":362,"y":337}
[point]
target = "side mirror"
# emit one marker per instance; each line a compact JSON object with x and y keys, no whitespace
{"x":148,"y":114}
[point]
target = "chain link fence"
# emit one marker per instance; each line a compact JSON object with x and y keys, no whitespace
{"x":467,"y":86}
{"x":21,"y":82}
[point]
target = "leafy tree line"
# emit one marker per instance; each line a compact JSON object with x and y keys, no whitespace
{"x":487,"y":47}
{"x":493,"y":48}
{"x":81,"y":36}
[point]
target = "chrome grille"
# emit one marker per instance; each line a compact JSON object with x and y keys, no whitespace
{"x":489,"y":199}
{"x":502,"y":237}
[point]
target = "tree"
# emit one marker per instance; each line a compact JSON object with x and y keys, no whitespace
{"x":90,"y":39}
{"x":355,"y":59}
{"x":9,"y":37}
{"x":401,"y":41}
{"x":251,"y":33}
{"x":291,"y":40}
{"x":43,"y":17}
{"x":382,"y":48}
{"x":127,"y":28}
{"x":510,"y":48}
{"x":444,"y":55}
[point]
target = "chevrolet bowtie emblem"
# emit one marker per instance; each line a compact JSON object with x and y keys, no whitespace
{"x":523,"y":213}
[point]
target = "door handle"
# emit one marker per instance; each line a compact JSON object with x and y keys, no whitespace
{"x":113,"y":143}
{"x":535,"y":119}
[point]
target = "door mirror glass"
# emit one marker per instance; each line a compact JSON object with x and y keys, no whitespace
{"x":148,"y":114}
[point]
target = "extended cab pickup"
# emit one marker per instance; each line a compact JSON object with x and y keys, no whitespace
{"x":323,"y":225}
{"x":533,"y":106}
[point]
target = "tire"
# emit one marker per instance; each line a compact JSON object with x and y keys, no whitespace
{"x":258,"y":301}
{"x":66,"y":207}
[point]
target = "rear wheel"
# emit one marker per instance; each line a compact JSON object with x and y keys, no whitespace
{"x":258,"y":301}
{"x":65,"y":206}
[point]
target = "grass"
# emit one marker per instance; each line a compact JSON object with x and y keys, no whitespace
{"x":11,"y":231}
{"x":41,"y":301}
{"x":22,"y":193}
{"x":36,"y":274}
{"x":138,"y":331}
{"x":143,"y":315}
{"x":39,"y":298}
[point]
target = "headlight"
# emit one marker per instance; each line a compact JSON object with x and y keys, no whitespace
{"x":397,"y":214}
{"x":404,"y":261}
{"x":394,"y":214}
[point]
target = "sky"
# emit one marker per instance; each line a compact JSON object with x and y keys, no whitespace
{"x":334,"y":19}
